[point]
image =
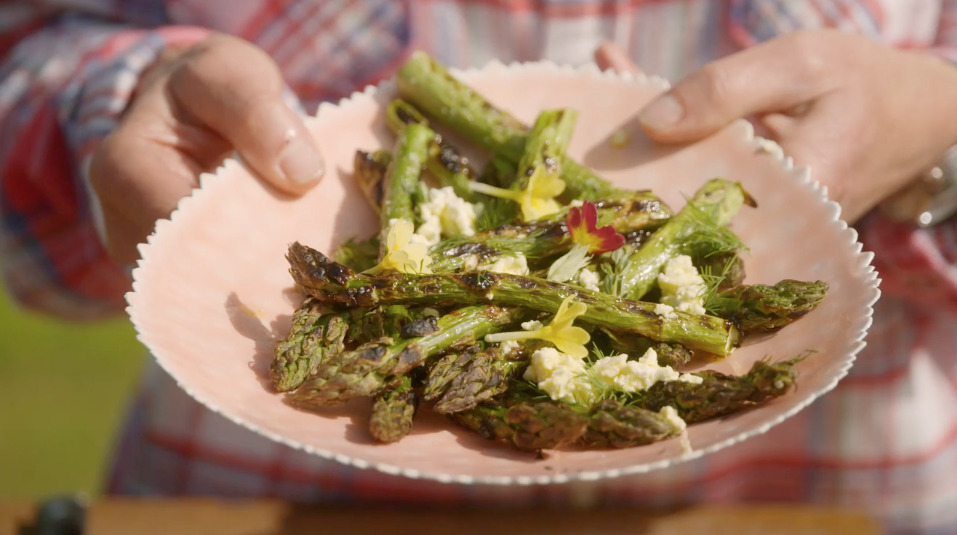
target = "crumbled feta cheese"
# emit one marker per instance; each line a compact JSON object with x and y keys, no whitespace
{"x":682,"y":286}
{"x":665,"y":311}
{"x":560,"y":375}
{"x":515,"y":264}
{"x":429,"y":232}
{"x":589,"y":279}
{"x":532,"y":325}
{"x":619,"y":373}
{"x":445,"y":213}
{"x":577,"y":203}
{"x":671,"y":415}
{"x":508,"y":346}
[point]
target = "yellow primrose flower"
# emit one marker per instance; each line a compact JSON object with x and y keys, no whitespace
{"x":401,"y":254}
{"x":537,"y":199}
{"x":560,"y":331}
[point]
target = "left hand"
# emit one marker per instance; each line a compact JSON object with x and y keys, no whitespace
{"x":867,"y":118}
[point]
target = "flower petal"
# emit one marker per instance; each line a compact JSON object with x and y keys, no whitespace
{"x":582,"y":227}
{"x":590,"y":215}
{"x":572,"y":341}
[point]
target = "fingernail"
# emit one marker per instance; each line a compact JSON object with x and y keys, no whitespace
{"x":662,"y":113}
{"x":300,"y":162}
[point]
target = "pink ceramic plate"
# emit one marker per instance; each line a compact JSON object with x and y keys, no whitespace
{"x":212,"y":292}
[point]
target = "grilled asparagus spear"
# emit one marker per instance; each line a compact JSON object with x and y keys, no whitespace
{"x":687,"y":232}
{"x":444,"y":369}
{"x":402,"y":178}
{"x":393,"y":411}
{"x":760,"y":307}
{"x":318,"y":276}
{"x":526,"y":425}
{"x":314,"y":336}
{"x":445,"y":161}
{"x":719,"y":394}
{"x":547,"y":238}
{"x":629,"y":420}
{"x":482,"y":376}
{"x":429,"y":86}
{"x":612,"y":424}
{"x":545,"y":146}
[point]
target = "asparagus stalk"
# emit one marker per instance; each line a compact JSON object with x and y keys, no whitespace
{"x":445,"y":162}
{"x":546,"y":145}
{"x":311,"y":270}
{"x":444,"y":369}
{"x":402,"y":178}
{"x":393,"y":411}
{"x":546,"y":238}
{"x":481,"y":377}
{"x":528,"y":426}
{"x":393,"y":321}
{"x":538,"y":182}
{"x":696,"y":226}
{"x":759,"y":307}
{"x":369,"y":368}
{"x":314,"y":336}
{"x":612,"y":424}
{"x":719,"y":394}
{"x":428,"y":85}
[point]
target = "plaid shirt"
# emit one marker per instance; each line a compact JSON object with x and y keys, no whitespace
{"x":885,"y":439}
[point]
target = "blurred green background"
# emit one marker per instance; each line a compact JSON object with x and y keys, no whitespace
{"x":64,"y":390}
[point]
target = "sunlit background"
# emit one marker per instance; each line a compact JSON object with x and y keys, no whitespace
{"x":64,"y":390}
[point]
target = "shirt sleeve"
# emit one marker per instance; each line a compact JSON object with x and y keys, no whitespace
{"x":62,"y":89}
{"x":918,"y":265}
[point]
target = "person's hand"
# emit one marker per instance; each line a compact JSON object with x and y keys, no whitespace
{"x":867,"y":118}
{"x":191,"y":108}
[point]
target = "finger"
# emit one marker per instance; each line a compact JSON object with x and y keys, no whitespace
{"x":776,"y":76}
{"x":235,"y":89}
{"x":137,"y":181}
{"x":610,"y":57}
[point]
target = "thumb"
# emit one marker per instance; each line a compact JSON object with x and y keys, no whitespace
{"x":777,"y":76}
{"x":235,"y":89}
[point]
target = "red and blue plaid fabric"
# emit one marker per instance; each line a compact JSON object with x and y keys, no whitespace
{"x":884,"y":440}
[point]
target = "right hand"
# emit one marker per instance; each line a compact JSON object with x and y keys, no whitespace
{"x":192,"y":108}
